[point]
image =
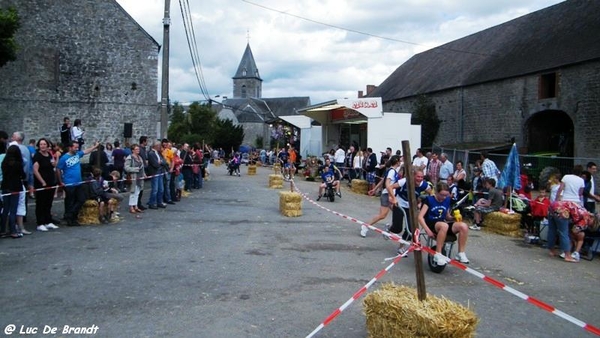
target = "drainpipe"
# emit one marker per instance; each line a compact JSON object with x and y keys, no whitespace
{"x":461,"y":120}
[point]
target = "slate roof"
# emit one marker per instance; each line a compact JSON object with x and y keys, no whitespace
{"x":249,"y":65}
{"x":264,"y":110}
{"x":564,"y":34}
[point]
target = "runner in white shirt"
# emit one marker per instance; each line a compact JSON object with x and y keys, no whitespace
{"x":388,"y":194}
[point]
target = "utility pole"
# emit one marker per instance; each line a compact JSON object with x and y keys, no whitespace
{"x":164,"y":100}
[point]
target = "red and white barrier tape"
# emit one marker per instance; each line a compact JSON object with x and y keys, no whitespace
{"x":76,"y":183}
{"x":357,"y":295}
{"x":417,"y":246}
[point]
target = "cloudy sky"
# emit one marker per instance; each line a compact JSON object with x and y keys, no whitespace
{"x":299,"y":47}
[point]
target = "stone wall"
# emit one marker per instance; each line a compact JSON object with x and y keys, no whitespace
{"x":85,"y":59}
{"x":498,"y":111}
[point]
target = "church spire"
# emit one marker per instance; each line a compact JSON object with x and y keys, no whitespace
{"x":247,"y":81}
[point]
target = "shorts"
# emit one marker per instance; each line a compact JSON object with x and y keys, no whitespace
{"x":371,"y":177}
{"x":21,"y":208}
{"x":384,"y":200}
{"x":485,"y":210}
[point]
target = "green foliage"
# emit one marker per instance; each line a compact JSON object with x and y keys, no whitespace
{"x":201,"y":125}
{"x":9,"y":24}
{"x":259,"y":142}
{"x":228,"y":135}
{"x":424,"y":113}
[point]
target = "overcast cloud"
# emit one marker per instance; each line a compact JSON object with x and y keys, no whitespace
{"x":296,"y":57}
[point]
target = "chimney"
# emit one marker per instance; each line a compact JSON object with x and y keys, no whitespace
{"x":360,"y":94}
{"x":370,"y":89}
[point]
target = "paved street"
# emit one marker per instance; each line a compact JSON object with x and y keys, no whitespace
{"x":224,"y":263}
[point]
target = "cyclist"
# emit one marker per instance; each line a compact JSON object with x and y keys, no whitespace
{"x":328,"y":178}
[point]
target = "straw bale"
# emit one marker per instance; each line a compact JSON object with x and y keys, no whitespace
{"x":88,"y":214}
{"x":277,"y":168}
{"x":275,"y":181}
{"x":291,"y":213}
{"x":251,"y":170}
{"x":395,"y":311}
{"x":360,"y":186}
{"x":288,"y":196}
{"x":502,"y":221}
{"x":185,"y":193}
{"x":290,"y":206}
{"x":510,"y":233}
{"x":217,"y":163}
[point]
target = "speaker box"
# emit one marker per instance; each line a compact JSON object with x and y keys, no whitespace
{"x":128,"y":130}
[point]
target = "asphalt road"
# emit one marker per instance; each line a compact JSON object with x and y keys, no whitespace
{"x":224,"y":263}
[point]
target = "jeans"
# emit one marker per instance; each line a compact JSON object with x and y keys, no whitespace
{"x":156,"y":191}
{"x":198,"y":179}
{"x":9,"y":212}
{"x":74,"y":199}
{"x":166,"y":188}
{"x":560,"y":225}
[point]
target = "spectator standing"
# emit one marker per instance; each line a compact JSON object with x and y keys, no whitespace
{"x":13,"y":184}
{"x":98,"y":159}
{"x":370,"y":167}
{"x":420,"y":162}
{"x":134,"y":165}
{"x":77,"y":133}
{"x":65,"y":131}
{"x":590,"y":203}
{"x":488,"y":167}
{"x":17,"y":139}
{"x":357,"y":164}
{"x":459,"y":173}
{"x":198,"y":160}
{"x":69,"y":175}
{"x":108,"y":149}
{"x":446,"y":168}
{"x":434,"y":169}
{"x":169,"y":152}
{"x":340,"y":158}
{"x":144,"y":156}
{"x":45,"y":177}
{"x":156,"y":168}
{"x":187,"y":166}
{"x":571,"y":187}
{"x":119,"y":163}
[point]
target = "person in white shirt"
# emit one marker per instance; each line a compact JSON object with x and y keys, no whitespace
{"x":340,"y":158}
{"x":388,"y":196}
{"x":420,"y":162}
{"x":590,"y":203}
{"x":571,"y":187}
{"x":77,"y":133}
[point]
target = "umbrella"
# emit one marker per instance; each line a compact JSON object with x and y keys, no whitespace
{"x":511,"y":175}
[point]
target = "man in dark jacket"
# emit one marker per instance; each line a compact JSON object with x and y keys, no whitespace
{"x":156,"y":164}
{"x":144,"y":156}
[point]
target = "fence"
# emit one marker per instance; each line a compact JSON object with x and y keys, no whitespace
{"x":533,"y":164}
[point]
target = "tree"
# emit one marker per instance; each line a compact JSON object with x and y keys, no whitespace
{"x":197,"y":125}
{"x":228,"y":135}
{"x":424,"y":114}
{"x":9,"y":24}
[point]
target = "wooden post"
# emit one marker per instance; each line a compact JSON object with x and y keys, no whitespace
{"x":413,"y":223}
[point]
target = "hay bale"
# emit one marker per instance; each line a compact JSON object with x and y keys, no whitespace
{"x":89,"y":213}
{"x":275,"y":181}
{"x":510,"y":233}
{"x":251,"y":170}
{"x":277,"y":168}
{"x":395,"y":311}
{"x":360,"y":186}
{"x":503,"y":222}
{"x":217,"y":163}
{"x":290,"y":204}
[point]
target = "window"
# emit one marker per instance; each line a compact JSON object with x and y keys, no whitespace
{"x":244,"y":91}
{"x":548,"y":86}
{"x":244,"y":72}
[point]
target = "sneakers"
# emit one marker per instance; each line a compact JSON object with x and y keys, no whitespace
{"x":387,"y":229}
{"x":562,"y":255}
{"x":439,"y":259}
{"x":475,"y":227}
{"x":403,"y":250}
{"x":319,"y":198}
{"x":462,"y":257}
{"x":363,"y":231}
{"x":575,"y":256}
{"x":339,"y":194}
{"x":51,"y":226}
{"x":25,"y":232}
{"x":42,"y":228}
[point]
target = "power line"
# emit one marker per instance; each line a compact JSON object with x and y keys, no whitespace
{"x":359,"y":32}
{"x":192,"y":46}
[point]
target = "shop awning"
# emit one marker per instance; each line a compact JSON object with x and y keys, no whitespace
{"x":342,"y":110}
{"x":299,"y":121}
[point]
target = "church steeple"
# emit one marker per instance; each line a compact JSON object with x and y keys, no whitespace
{"x":247,"y":81}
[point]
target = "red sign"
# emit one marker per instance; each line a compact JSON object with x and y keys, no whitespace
{"x":344,"y":114}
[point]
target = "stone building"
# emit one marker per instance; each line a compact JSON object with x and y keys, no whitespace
{"x":535,"y":79}
{"x":247,"y":107}
{"x":85,"y":59}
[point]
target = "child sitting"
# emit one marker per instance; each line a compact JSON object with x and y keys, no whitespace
{"x":111,"y":191}
{"x":539,"y":209}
